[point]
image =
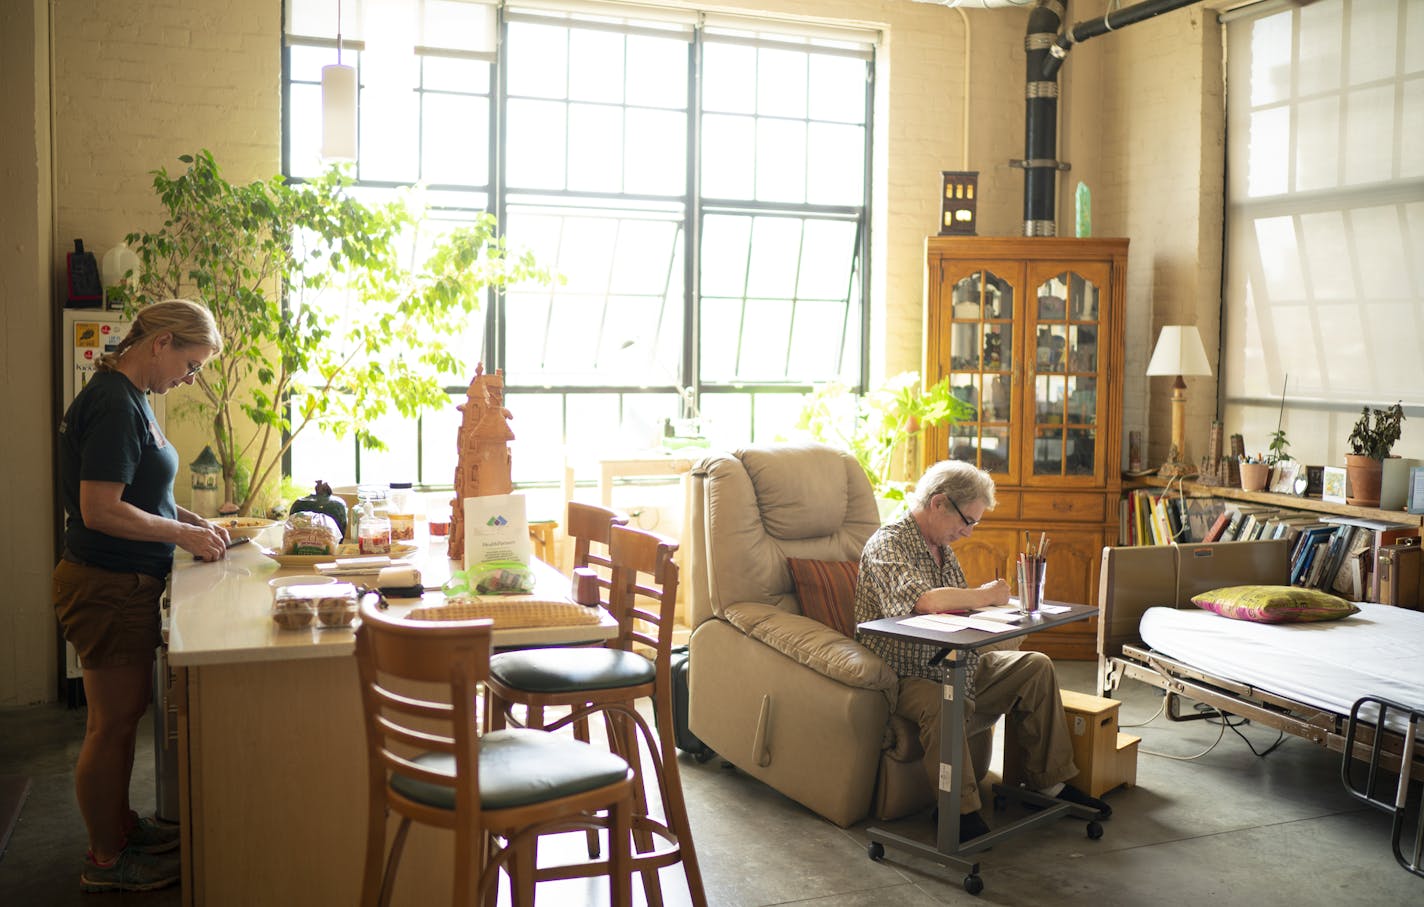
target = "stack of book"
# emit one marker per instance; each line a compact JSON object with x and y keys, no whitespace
{"x":1341,"y":555}
{"x":1150,"y":518}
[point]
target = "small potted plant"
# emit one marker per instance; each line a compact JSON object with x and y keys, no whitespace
{"x":1371,"y":441}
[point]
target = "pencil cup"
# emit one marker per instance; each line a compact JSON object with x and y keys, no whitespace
{"x":1033,"y":571}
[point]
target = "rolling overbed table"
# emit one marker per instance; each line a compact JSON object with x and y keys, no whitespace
{"x":948,"y":851}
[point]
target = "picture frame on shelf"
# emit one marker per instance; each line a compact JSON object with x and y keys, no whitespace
{"x":1314,"y":481}
{"x":1414,"y":500}
{"x":1283,"y":477}
{"x":1333,"y":485}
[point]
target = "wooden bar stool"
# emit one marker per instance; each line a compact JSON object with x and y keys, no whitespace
{"x":609,"y":680}
{"x":428,"y":763}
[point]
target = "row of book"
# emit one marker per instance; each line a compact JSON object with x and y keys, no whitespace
{"x":1335,"y":553}
{"x":1147,"y":517}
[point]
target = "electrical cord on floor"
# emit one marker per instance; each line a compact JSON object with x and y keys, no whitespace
{"x":1223,"y":720}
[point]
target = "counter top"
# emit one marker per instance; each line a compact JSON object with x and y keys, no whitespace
{"x":220,"y":613}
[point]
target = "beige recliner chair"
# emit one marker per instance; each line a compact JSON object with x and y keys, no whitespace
{"x":783,"y":697}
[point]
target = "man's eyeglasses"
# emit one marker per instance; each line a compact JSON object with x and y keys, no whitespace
{"x":967,"y":521}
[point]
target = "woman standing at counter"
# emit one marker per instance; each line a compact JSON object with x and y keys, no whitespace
{"x":116,"y":473}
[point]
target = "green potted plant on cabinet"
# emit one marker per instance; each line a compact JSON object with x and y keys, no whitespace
{"x":874,"y":427}
{"x":1371,"y":440}
{"x":317,"y":297}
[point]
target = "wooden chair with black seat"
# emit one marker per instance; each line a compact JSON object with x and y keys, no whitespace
{"x":610,"y":680}
{"x":428,"y":763}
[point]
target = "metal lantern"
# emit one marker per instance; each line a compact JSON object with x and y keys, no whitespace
{"x":207,"y":477}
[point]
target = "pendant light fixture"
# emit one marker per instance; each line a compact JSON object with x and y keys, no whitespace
{"x":338,"y":106}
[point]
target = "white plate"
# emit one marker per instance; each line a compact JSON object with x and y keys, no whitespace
{"x":399,"y":549}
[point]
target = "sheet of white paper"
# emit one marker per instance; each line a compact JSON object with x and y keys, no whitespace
{"x":1043,"y":607}
{"x":1007,"y":615}
{"x":944,"y":623}
{"x":951,"y":623}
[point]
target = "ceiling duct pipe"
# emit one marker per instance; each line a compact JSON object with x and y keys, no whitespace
{"x":1046,"y":50}
{"x":1092,"y":28}
{"x":1040,"y":120}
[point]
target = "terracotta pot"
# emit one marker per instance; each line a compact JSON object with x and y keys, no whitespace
{"x":1254,"y":476}
{"x":1363,"y":476}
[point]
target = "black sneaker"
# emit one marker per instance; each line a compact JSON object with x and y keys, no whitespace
{"x":1080,"y":798}
{"x":971,"y":826}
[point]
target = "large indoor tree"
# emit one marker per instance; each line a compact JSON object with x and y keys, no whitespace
{"x":259,"y":256}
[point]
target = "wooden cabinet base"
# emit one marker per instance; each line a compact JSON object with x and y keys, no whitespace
{"x":274,"y":790}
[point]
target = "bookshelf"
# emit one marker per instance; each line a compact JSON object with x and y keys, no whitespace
{"x":1336,"y":547}
{"x":1279,"y":501}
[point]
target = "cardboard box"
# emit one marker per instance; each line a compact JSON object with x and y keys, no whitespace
{"x":1105,"y":758}
{"x":1092,"y":725}
{"x":1127,"y":759}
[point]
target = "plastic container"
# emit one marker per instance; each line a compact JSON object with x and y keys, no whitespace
{"x":330,"y":604}
{"x":437,"y":515}
{"x":401,"y":507}
{"x":373,"y":528}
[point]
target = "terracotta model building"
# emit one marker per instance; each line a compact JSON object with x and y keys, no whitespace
{"x":484,"y":464}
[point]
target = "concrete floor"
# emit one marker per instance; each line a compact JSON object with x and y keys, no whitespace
{"x":1228,"y":828}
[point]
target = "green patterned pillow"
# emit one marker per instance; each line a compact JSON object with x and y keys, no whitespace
{"x":1274,"y":604}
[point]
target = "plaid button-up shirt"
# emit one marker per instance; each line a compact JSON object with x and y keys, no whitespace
{"x":896,"y":568}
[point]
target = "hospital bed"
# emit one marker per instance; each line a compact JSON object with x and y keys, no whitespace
{"x":1303,"y":679}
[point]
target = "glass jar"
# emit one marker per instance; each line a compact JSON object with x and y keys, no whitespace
{"x":402,"y":512}
{"x":373,"y":530}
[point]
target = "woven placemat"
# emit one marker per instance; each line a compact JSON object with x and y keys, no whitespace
{"x":515,"y":612}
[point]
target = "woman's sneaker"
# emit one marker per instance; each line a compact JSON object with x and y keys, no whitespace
{"x":152,"y":837}
{"x":131,"y":870}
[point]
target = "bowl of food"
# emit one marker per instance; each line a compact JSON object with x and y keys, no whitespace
{"x":243,"y":527}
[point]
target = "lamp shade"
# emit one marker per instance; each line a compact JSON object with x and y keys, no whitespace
{"x":1179,"y":352}
{"x":338,"y":113}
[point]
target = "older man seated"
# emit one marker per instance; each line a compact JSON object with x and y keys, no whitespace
{"x":907,"y":566}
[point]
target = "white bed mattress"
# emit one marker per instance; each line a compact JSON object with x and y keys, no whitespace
{"x":1329,"y":664}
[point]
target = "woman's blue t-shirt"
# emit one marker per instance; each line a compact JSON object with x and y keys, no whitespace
{"x":110,"y":434}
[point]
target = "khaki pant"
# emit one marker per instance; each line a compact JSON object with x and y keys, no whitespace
{"x":1020,"y":685}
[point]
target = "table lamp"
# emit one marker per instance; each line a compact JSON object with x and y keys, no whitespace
{"x":1179,"y":352}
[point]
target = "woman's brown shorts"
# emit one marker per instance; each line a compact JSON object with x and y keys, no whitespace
{"x":110,"y":618}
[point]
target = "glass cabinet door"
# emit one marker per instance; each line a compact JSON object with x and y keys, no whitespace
{"x":1062,"y":359}
{"x":981,"y":366}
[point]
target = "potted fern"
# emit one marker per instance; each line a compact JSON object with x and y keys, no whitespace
{"x":1371,"y":441}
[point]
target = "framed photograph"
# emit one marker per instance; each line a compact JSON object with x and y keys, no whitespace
{"x":1283,"y":477}
{"x":1332,"y":488}
{"x":1314,"y":481}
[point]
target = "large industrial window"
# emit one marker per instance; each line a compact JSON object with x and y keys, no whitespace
{"x":700,"y":183}
{"x":1325,"y":223}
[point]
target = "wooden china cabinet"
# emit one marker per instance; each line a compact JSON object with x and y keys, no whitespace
{"x":1029,"y":332}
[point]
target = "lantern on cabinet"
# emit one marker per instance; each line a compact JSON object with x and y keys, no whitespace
{"x":207,"y":475}
{"x":958,"y":202}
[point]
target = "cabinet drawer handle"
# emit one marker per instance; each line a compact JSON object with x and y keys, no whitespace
{"x":1059,"y":504}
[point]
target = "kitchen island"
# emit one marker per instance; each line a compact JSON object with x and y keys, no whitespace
{"x":271,"y":745}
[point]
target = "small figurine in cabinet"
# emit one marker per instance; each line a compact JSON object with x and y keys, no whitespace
{"x":993,"y":350}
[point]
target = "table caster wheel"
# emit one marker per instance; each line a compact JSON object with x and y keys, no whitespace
{"x":876,"y":851}
{"x":1095,"y":830}
{"x":973,"y":884}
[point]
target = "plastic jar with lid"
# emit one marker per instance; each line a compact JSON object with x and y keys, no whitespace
{"x":374,"y":529}
{"x":402,"y":512}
